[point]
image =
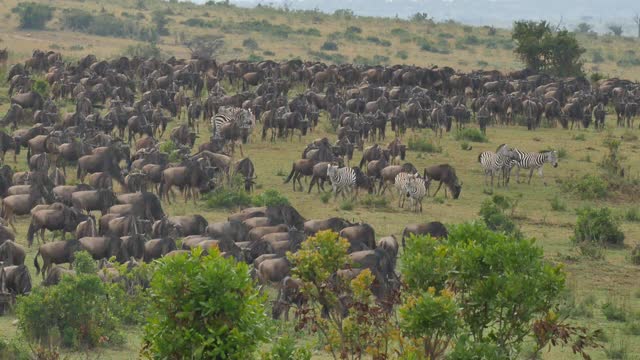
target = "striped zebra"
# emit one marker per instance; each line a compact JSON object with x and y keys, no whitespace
{"x":342,"y":179}
{"x":410,"y":186}
{"x":533,"y":161}
{"x":234,"y":116}
{"x":416,"y":189}
{"x":497,"y":163}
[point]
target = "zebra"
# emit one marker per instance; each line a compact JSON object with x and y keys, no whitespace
{"x":497,"y":162}
{"x":411,"y":186}
{"x":239,"y":117}
{"x":342,"y":179}
{"x":416,"y":189}
{"x":232,"y":124}
{"x":533,"y":161}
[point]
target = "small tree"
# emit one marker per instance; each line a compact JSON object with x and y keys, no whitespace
{"x":159,"y":19}
{"x":204,"y":307}
{"x":205,"y":46}
{"x":615,"y":29}
{"x":483,"y":291}
{"x":33,"y":15}
{"x":542,"y":49}
{"x":584,"y":28}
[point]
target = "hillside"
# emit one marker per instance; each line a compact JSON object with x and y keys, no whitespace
{"x":279,"y":35}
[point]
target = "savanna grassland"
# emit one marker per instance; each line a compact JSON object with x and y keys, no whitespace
{"x":547,"y":213}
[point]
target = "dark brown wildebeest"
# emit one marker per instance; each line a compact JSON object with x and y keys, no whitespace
{"x":289,"y":294}
{"x":334,"y":224}
{"x":16,"y":279}
{"x":55,"y":275}
{"x":63,"y":193}
{"x":8,"y":143}
{"x":435,"y":229}
{"x":148,"y":204}
{"x":229,"y":230}
{"x":361,"y":237}
{"x":245,"y":168}
{"x":156,"y":248}
{"x":103,"y":247}
{"x":445,"y":174}
{"x":62,"y":218}
{"x":300,"y":168}
{"x":189,"y":224}
{"x":191,"y":177}
{"x":12,"y":253}
{"x":319,"y":175}
{"x":273,"y":270}
{"x":28,"y":100}
{"x":106,"y":160}
{"x":92,"y":200}
{"x":57,"y":252}
{"x":100,"y":180}
{"x":22,"y":204}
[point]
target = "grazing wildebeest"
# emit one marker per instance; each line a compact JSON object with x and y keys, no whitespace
{"x":444,"y":174}
{"x":12,"y":253}
{"x":57,"y":252}
{"x":435,"y":229}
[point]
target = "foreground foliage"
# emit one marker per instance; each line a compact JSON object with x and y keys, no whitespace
{"x":204,"y":307}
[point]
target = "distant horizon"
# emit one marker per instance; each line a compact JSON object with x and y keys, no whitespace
{"x":498,"y":13}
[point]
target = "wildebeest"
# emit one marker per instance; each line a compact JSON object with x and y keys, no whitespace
{"x":444,"y":174}
{"x":360,"y":237}
{"x":57,"y":252}
{"x":435,"y":229}
{"x":16,"y":279}
{"x":12,"y":253}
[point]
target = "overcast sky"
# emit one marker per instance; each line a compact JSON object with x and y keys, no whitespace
{"x":500,"y":13}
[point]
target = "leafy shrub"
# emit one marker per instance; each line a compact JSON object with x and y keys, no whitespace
{"x":329,"y":46}
{"x":204,"y":307}
{"x":590,"y":250}
{"x":628,"y":59}
{"x":346,"y":205}
{"x":76,"y":19}
{"x":33,"y":15}
{"x":467,"y":29}
{"x":635,"y":255}
{"x":270,"y":197}
{"x":325,"y":197}
{"x":471,"y":134}
{"x":465,"y":146}
{"x":228,"y":198}
{"x":402,"y":54}
{"x":255,"y":58}
{"x":494,"y":214}
{"x":597,"y":226}
{"x":482,"y":63}
{"x":632,"y":214}
{"x":250,"y":43}
{"x":597,"y":57}
{"x":471,"y":40}
{"x":557,"y":204}
{"x":423,"y":145}
{"x":14,"y":349}
{"x":375,"y":201}
{"x":562,"y":153}
{"x":160,"y":21}
{"x":268,"y":53}
{"x":284,"y":348}
{"x":579,"y":137}
{"x":589,"y":187}
{"x":614,"y":312}
{"x":78,"y":309}
{"x":334,"y":58}
{"x":41,"y":87}
{"x":484,"y":291}
{"x":198,"y":22}
{"x":353,"y":30}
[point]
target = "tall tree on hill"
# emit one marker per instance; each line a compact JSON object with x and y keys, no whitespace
{"x":543,"y":49}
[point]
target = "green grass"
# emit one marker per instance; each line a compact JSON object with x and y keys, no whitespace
{"x":471,"y":134}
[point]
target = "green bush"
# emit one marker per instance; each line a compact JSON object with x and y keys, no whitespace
{"x":493,"y":274}
{"x":198,"y":22}
{"x":465,"y":146}
{"x":635,"y":255}
{"x":14,"y":349}
{"x":471,"y":134}
{"x":334,"y":58}
{"x":268,"y":53}
{"x":284,"y":348}
{"x":329,"y":46}
{"x":76,"y":19}
{"x":494,"y":214}
{"x":250,"y":44}
{"x":562,"y":153}
{"x":33,"y":15}
{"x":41,"y":87}
{"x":325,"y":197}
{"x":579,"y":137}
{"x":614,"y":312}
{"x":346,"y":205}
{"x":589,"y":187}
{"x":78,"y":309}
{"x":423,"y":145}
{"x":204,"y":307}
{"x":402,"y":54}
{"x":375,"y":201}
{"x":597,"y":226}
{"x":557,"y":204}
{"x":227,"y":198}
{"x":255,"y":58}
{"x":632,"y":214}
{"x":270,"y":197}
{"x":144,"y":51}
